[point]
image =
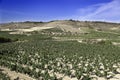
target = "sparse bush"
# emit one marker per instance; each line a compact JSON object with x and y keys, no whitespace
{"x":3,"y":40}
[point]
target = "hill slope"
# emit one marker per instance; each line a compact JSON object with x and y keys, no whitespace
{"x":61,"y":25}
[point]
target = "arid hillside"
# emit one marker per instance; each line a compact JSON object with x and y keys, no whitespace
{"x":61,"y":25}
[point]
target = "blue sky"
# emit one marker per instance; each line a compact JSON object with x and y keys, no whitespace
{"x":46,"y":10}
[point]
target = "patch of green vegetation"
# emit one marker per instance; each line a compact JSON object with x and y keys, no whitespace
{"x":3,"y":76}
{"x":53,"y":30}
{"x":22,"y":37}
{"x":38,"y":37}
{"x":4,"y":40}
{"x":5,"y":34}
{"x":95,"y":34}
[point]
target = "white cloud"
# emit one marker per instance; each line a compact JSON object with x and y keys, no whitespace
{"x":102,"y":12}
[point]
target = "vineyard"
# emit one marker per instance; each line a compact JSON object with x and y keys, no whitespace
{"x":46,"y":59}
{"x":60,"y":57}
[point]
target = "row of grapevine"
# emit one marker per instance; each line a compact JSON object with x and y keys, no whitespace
{"x":46,"y":59}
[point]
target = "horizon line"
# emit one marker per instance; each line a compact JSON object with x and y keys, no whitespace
{"x":59,"y":20}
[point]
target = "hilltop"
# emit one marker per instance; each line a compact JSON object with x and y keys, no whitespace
{"x":59,"y":26}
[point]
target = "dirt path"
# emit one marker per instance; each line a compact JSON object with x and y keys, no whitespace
{"x":13,"y":75}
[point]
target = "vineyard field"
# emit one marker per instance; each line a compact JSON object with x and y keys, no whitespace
{"x":53,"y":54}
